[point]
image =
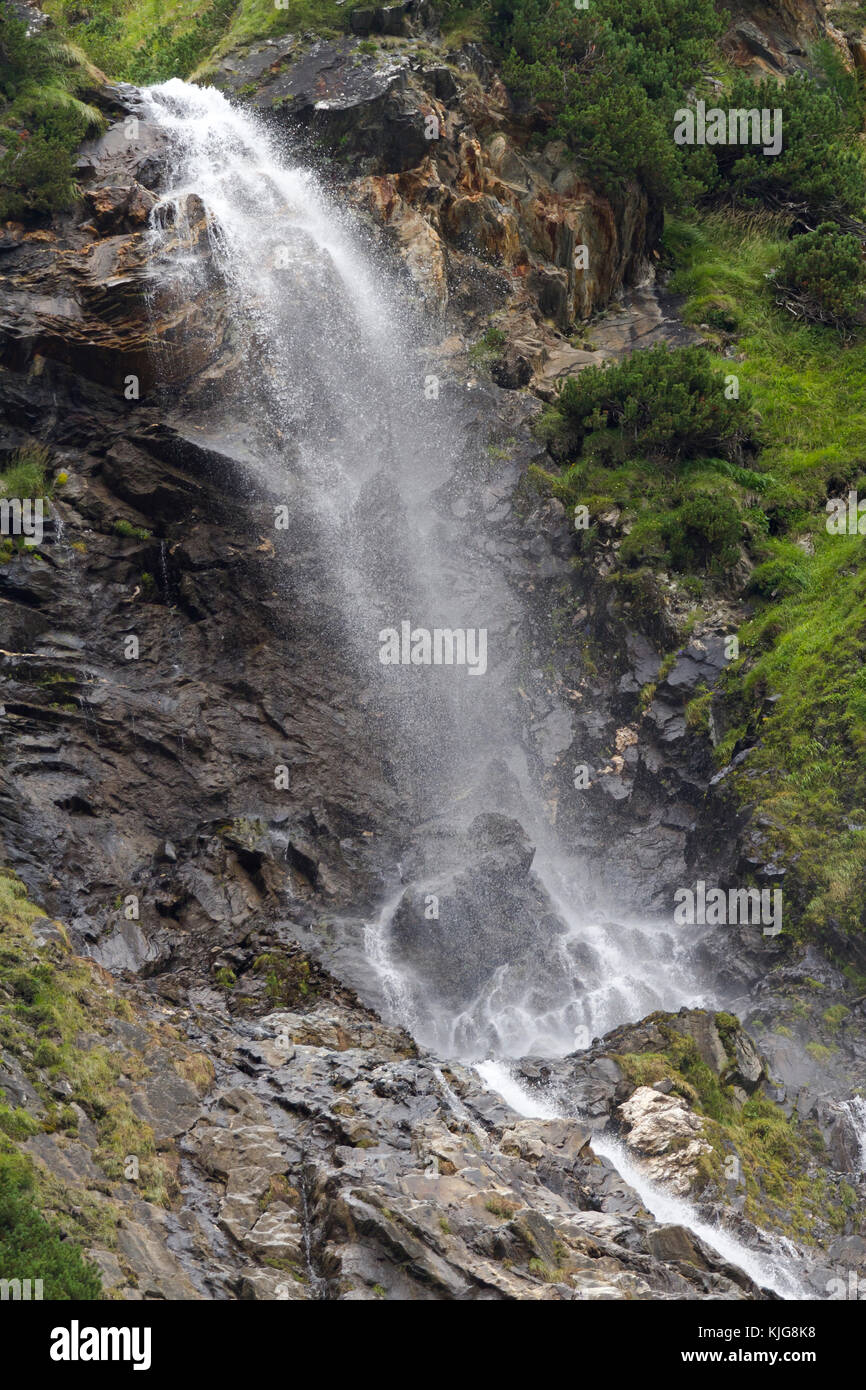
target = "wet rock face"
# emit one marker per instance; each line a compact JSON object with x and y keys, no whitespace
{"x":328,"y":1159}
{"x":312,"y":1152}
{"x":294,"y":1147}
{"x":126,"y":778}
{"x":433,"y":151}
{"x":107,"y":759}
{"x":413,"y":1186}
{"x":662,"y":1125}
{"x":666,"y":1134}
{"x":78,"y":293}
{"x":453,"y":931}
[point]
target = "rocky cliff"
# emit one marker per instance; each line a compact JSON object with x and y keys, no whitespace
{"x":287,"y":1142}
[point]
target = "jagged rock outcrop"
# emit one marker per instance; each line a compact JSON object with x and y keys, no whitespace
{"x":310,"y":1150}
{"x":307,"y":1151}
{"x":431,"y":147}
{"x":777,"y":37}
{"x":667,"y":1135}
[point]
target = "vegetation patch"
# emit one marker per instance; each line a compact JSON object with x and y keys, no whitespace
{"x":608,"y":80}
{"x":822,"y":277}
{"x":660,"y":437}
{"x":147,"y":41}
{"x":32,"y":1248}
{"x":289,"y":978}
{"x":56,"y":1024}
{"x":785,"y":1188}
{"x":44,"y":116}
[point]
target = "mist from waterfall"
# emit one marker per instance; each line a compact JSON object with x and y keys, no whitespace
{"x":328,"y":413}
{"x":330,"y":416}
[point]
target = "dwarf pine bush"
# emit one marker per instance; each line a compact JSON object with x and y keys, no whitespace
{"x":667,"y":403}
{"x":822,"y":276}
{"x":607,"y":81}
{"x":820,"y":171}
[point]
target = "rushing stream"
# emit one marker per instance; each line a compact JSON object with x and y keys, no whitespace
{"x":773,"y":1267}
{"x":333,"y":416}
{"x":334,"y":419}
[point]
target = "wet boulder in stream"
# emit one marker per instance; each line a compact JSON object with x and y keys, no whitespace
{"x":487,"y":910}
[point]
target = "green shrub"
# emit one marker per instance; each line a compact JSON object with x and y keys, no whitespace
{"x":125,"y":528}
{"x":24,"y":475}
{"x":33,"y":1248}
{"x":42,"y":118}
{"x":666,"y":403}
{"x":488,"y":348}
{"x":607,"y":80}
{"x":703,"y":533}
{"x":820,"y":169}
{"x":778,"y":578}
{"x":822,"y":276}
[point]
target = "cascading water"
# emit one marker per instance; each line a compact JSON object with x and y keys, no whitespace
{"x":773,"y":1267}
{"x":856,"y":1108}
{"x":327,"y":411}
{"x":330,"y":415}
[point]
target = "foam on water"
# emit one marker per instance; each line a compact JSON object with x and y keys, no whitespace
{"x":329,"y":410}
{"x":772,"y":1268}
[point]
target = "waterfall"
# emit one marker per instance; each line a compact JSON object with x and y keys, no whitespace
{"x":773,"y":1268}
{"x":856,"y":1108}
{"x":330,"y":415}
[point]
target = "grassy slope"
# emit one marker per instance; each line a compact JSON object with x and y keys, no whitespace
{"x":58,"y":1027}
{"x":806,"y":646}
{"x":151,"y":40}
{"x":799,"y":687}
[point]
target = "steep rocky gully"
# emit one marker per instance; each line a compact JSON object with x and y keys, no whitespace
{"x":280,"y":1140}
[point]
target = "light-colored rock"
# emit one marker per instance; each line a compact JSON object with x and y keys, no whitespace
{"x":666,"y":1134}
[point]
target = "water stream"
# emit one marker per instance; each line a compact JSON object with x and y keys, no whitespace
{"x":773,"y":1267}
{"x":332,"y":416}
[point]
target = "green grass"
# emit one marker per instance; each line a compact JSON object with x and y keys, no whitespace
{"x":32,"y":1248}
{"x":49,"y":1000}
{"x":461,"y":24}
{"x":783,"y":1189}
{"x":797,"y":694}
{"x":24,"y":475}
{"x":806,"y":645}
{"x":148,"y":41}
{"x":125,"y":528}
{"x":809,"y":391}
{"x":44,"y":116}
